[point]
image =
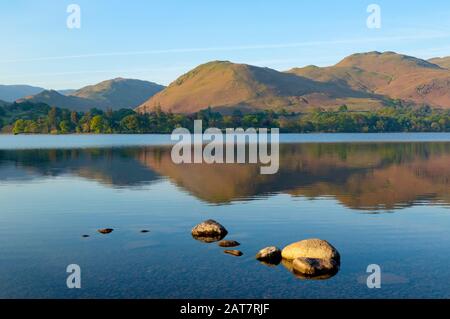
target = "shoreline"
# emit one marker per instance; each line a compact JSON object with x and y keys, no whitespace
{"x":48,"y":141}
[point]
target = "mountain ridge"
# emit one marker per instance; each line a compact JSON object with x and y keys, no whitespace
{"x":389,"y":74}
{"x":10,"y":93}
{"x":361,"y":81}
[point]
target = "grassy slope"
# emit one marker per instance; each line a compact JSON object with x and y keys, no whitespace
{"x":114,"y":94}
{"x":120,"y":93}
{"x":442,"y":62}
{"x":224,"y":84}
{"x":389,"y":74}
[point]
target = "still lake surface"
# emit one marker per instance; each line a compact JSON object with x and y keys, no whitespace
{"x":378,"y":198}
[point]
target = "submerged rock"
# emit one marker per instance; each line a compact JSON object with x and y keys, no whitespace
{"x":233,"y":252}
{"x":311,"y":248}
{"x":85,"y":236}
{"x":105,"y":231}
{"x":228,"y":243}
{"x":314,"y":267}
{"x":209,"y":231}
{"x":269,"y":255}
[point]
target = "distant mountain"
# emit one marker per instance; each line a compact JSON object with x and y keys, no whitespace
{"x":119,"y":93}
{"x":67,"y":91}
{"x":442,"y":62}
{"x":224,"y":85}
{"x":10,"y":93}
{"x":388,"y":74}
{"x":54,"y":98}
{"x":115,"y":94}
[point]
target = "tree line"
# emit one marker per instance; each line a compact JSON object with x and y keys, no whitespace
{"x":53,"y":120}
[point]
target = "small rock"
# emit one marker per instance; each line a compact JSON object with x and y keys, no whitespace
{"x":314,"y":267}
{"x":209,"y":231}
{"x":105,"y":230}
{"x":311,"y":248}
{"x":233,"y":252}
{"x":229,"y":243}
{"x":269,"y":255}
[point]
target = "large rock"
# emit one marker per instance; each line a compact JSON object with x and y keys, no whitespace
{"x":270,"y":255}
{"x":314,"y":267}
{"x":311,"y":248}
{"x":209,"y":231}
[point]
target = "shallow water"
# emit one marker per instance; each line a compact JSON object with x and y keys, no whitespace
{"x":379,"y":199}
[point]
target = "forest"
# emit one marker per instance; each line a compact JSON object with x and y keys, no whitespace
{"x":29,"y":118}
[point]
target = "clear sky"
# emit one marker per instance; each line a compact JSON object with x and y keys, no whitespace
{"x":158,"y":40}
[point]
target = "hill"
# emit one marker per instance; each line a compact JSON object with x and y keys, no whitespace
{"x":442,"y":62}
{"x":225,"y":85}
{"x":388,"y":74}
{"x":114,"y":94}
{"x":54,"y":98}
{"x":119,"y":93}
{"x":10,"y":93}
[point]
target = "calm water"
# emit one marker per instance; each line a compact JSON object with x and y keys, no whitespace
{"x":378,"y":198}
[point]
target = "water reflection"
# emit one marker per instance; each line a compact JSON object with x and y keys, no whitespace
{"x":371,"y":176}
{"x":288,"y":264}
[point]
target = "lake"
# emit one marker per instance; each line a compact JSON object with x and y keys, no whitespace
{"x":378,"y":198}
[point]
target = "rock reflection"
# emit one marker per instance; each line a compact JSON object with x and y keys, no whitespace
{"x":288,"y":264}
{"x":208,"y":239}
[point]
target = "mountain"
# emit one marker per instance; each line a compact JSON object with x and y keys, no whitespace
{"x":10,"y":93}
{"x":54,"y":98}
{"x":387,"y":74}
{"x":363,"y":81}
{"x":225,"y":85}
{"x":442,"y":62}
{"x":67,"y":91}
{"x":115,"y":94}
{"x":119,"y":93}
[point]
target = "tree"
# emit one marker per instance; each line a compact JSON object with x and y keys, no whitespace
{"x":65,"y":127}
{"x":74,"y":118}
{"x":99,"y":125}
{"x":343,"y":108}
{"x":19,"y":127}
{"x":130,"y":124}
{"x":52,"y":117}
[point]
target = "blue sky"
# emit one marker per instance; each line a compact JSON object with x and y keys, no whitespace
{"x":158,"y":40}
